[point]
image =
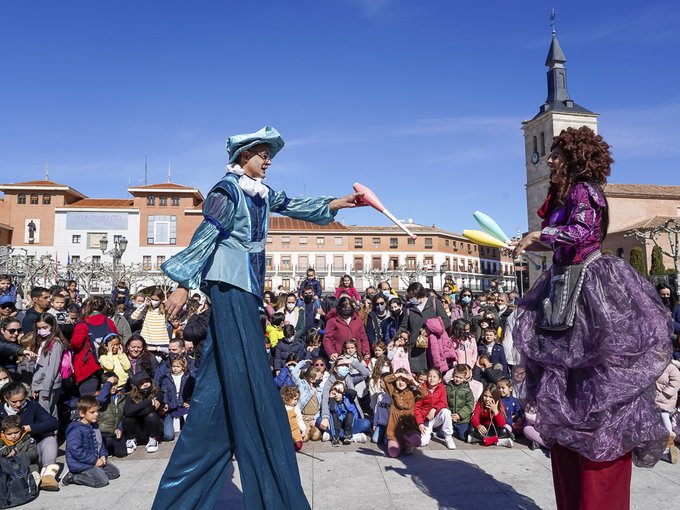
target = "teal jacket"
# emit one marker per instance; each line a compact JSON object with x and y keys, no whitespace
{"x":229,"y":245}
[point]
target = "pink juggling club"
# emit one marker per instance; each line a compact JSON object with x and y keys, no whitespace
{"x":371,"y":199}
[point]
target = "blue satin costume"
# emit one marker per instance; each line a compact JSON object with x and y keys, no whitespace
{"x":236,"y":407}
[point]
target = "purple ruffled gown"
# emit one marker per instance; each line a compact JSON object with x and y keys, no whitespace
{"x":593,"y":384}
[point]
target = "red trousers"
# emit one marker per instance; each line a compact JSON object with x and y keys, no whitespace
{"x":583,"y":484}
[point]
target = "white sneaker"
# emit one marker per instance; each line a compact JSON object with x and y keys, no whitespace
{"x":152,"y":445}
{"x":131,"y":445}
{"x":359,"y":438}
{"x":326,"y":436}
{"x":469,"y":438}
{"x":449,"y":443}
{"x":507,"y":442}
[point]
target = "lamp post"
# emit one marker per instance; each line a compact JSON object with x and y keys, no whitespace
{"x":120,"y":245}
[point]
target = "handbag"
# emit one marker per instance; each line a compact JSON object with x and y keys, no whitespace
{"x":422,"y":341}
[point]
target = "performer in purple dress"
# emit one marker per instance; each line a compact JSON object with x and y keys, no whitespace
{"x":594,"y":336}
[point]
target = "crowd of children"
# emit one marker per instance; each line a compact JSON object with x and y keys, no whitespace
{"x":87,"y":374}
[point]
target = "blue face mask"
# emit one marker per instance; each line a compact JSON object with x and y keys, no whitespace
{"x":466,"y":300}
{"x":342,"y":371}
{"x":387,"y":294}
{"x":414,"y":301}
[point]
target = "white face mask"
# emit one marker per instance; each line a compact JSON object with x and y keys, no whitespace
{"x":290,"y":306}
{"x":155,"y":303}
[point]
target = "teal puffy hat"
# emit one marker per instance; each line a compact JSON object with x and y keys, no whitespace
{"x":238,"y":143}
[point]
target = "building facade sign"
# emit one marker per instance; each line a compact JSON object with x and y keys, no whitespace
{"x":96,"y":221}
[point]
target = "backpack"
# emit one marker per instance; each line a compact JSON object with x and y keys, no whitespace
{"x":284,"y":378}
{"x":96,"y":335}
{"x":17,"y":485}
{"x":66,"y":366}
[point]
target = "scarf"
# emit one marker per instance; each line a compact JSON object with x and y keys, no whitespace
{"x":10,"y":410}
{"x":249,"y":185}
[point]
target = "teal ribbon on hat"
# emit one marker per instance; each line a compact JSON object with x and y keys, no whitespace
{"x":238,"y":143}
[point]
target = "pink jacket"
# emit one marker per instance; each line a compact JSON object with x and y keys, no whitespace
{"x":466,"y":351}
{"x":440,"y":351}
{"x":667,"y":387}
{"x":351,"y":292}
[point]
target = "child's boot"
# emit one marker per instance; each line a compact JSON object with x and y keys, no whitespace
{"x":48,"y":478}
{"x":673,"y":452}
{"x":393,"y":448}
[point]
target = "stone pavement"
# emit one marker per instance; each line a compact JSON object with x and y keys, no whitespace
{"x":361,"y":476}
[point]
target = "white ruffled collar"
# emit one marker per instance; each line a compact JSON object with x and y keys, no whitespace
{"x":248,"y":184}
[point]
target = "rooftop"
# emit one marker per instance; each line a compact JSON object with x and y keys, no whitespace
{"x":284,"y":223}
{"x":642,"y":191}
{"x":103,"y":202}
{"x":35,"y":185}
{"x":648,"y":223}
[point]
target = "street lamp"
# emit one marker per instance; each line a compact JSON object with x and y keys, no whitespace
{"x":120,"y":245}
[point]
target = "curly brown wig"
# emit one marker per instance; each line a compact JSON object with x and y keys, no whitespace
{"x":588,"y":159}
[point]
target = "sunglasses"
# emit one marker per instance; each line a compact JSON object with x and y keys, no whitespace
{"x":8,"y":305}
{"x":319,"y":364}
{"x":12,"y":331}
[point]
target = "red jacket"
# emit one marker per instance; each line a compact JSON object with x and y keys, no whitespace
{"x":435,"y":399}
{"x":84,"y":361}
{"x":337,"y":331}
{"x":482,"y":416}
{"x":351,"y":292}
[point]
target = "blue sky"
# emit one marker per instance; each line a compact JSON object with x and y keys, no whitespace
{"x":421,"y":100}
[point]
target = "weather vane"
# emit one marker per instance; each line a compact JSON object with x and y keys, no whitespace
{"x":553,"y":20}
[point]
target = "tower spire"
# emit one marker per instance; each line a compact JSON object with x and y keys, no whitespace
{"x":169,"y":172}
{"x":47,"y":169}
{"x":146,"y":170}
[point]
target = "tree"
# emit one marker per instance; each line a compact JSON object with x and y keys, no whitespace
{"x":658,"y":268}
{"x":637,"y":260}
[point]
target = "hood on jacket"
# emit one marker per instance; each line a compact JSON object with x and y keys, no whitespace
{"x":435,"y":325}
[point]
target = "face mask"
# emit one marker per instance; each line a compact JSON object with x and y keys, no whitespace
{"x":308,"y":299}
{"x":139,"y":305}
{"x":466,"y":300}
{"x":380,"y":308}
{"x":385,"y":370}
{"x":43,"y":332}
{"x":502,"y":308}
{"x":666,"y":300}
{"x":414,"y":301}
{"x":387,"y":294}
{"x":342,"y":371}
{"x":121,"y":289}
{"x":155,"y":303}
{"x":290,"y":306}
{"x":268,"y":351}
{"x":145,"y":392}
{"x":396,"y":311}
{"x":4,"y":382}
{"x":452,"y":296}
{"x":345,"y":312}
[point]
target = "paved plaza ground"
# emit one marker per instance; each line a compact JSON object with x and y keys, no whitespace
{"x":361,"y":476}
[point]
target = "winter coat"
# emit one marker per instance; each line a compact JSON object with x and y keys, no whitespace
{"x":47,"y":376}
{"x":482,"y":416}
{"x":175,"y":399}
{"x":440,"y":351}
{"x":466,"y":350}
{"x":164,"y":369}
{"x":402,"y":420}
{"x":25,"y":444}
{"x":497,"y":354}
{"x":380,"y":329}
{"x":32,"y":414}
{"x":119,"y":364}
{"x":434,"y":399}
{"x":85,"y":360}
{"x":346,"y":405}
{"x":123,"y":326}
{"x":9,"y":351}
{"x":460,"y":400}
{"x":358,"y":374}
{"x":81,"y":447}
{"x":667,"y":387}
{"x":338,"y":330}
{"x":274,"y":334}
{"x":350,"y":291}
{"x":307,"y":391}
{"x":412,"y":321}
{"x":285,"y":349}
{"x":110,"y":409}
{"x":315,"y":284}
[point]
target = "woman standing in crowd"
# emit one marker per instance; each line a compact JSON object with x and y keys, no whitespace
{"x":380,"y":326}
{"x":592,"y":360}
{"x":345,"y":325}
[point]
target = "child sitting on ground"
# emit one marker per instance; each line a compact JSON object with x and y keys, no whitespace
{"x":402,"y":428}
{"x":86,"y":455}
{"x":113,"y":359}
{"x":514,"y":417}
{"x":379,"y":350}
{"x":490,"y":345}
{"x":460,"y":400}
{"x":111,"y":404}
{"x":488,"y":420}
{"x":343,"y":413}
{"x":381,"y":412}
{"x":14,"y":441}
{"x":313,"y":343}
{"x":397,"y":352}
{"x":485,"y":372}
{"x":290,"y":396}
{"x":433,"y":411}
{"x":288,"y":345}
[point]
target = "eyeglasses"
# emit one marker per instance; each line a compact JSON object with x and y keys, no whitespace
{"x":13,"y":331}
{"x":264,"y":155}
{"x":378,"y":303}
{"x":319,"y":364}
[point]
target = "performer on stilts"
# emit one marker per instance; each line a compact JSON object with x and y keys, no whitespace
{"x":594,"y":336}
{"x":236,"y":407}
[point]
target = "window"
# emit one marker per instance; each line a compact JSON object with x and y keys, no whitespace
{"x":358,"y":263}
{"x":410,"y":262}
{"x":338,"y":262}
{"x":320,"y":241}
{"x":455,"y":247}
{"x":163,"y":201}
{"x":175,"y":201}
{"x":320,"y":262}
{"x":159,"y":260}
{"x":358,"y":242}
{"x":286,"y":283}
{"x":619,"y":252}
{"x":303,"y":240}
{"x":542,"y":144}
{"x":75,"y":259}
{"x":428,"y":243}
{"x":535,"y":145}
{"x":21,"y":199}
{"x":376,"y":262}
{"x":394,"y":242}
{"x":428,"y":262}
{"x":75,"y":239}
{"x":285,"y":240}
{"x":150,"y":200}
{"x":96,"y":259}
{"x":146,"y":262}
{"x":161,"y":230}
{"x":337,"y":241}
{"x":270,"y":240}
{"x":394,"y":263}
{"x":47,"y":199}
{"x":267,"y":284}
{"x":34,"y":199}
{"x":376,"y":241}
{"x":285,"y":262}
{"x":303,"y":262}
{"x":446,"y":242}
{"x":117,"y":238}
{"x":268,"y":262}
{"x":411,"y":241}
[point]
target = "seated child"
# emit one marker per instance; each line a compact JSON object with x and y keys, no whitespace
{"x":402,"y":428}
{"x":86,"y":455}
{"x":489,"y":344}
{"x":667,"y":387}
{"x":485,"y":372}
{"x":177,"y":387}
{"x":487,"y":425}
{"x":379,"y":350}
{"x":397,"y":352}
{"x":14,"y":441}
{"x":275,"y":329}
{"x":433,"y":411}
{"x":460,"y":400}
{"x":312,"y":343}
{"x":290,"y":396}
{"x":381,"y":403}
{"x":141,"y":414}
{"x":343,"y":412}
{"x":514,"y":419}
{"x":288,"y":345}
{"x":113,"y":359}
{"x":111,"y":404}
